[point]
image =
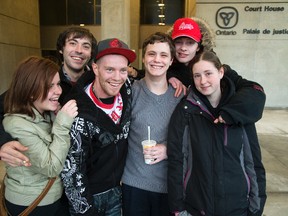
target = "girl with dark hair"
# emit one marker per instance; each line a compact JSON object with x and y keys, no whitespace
{"x":210,"y":166}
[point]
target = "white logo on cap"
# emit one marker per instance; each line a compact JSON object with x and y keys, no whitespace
{"x":184,"y":26}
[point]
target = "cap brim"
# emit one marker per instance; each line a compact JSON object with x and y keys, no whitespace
{"x":129,"y":54}
{"x":185,"y":35}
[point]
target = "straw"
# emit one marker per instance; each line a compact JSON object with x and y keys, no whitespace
{"x":149,"y":133}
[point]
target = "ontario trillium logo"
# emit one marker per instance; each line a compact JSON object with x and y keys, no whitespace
{"x":227,"y":17}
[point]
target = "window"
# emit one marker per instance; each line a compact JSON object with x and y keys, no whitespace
{"x":52,"y":12}
{"x":69,"y":12}
{"x":161,"y":12}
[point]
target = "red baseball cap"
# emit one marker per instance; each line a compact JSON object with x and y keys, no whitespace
{"x":186,"y":27}
{"x":115,"y":46}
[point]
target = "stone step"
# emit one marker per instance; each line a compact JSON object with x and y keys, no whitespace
{"x":276,"y":204}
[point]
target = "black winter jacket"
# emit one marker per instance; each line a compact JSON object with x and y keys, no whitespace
{"x":97,"y":155}
{"x":210,"y":166}
{"x":245,"y":108}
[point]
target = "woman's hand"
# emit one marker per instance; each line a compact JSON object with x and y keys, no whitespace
{"x":71,"y":108}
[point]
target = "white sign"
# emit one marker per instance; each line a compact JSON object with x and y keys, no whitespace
{"x":252,"y":37}
{"x":247,"y":20}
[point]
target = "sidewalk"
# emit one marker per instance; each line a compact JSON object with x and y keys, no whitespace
{"x":273,"y":135}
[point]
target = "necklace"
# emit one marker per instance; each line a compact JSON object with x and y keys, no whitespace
{"x":108,"y":100}
{"x":93,"y":90}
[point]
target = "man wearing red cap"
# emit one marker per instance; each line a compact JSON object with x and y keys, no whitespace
{"x":95,"y":162}
{"x":187,"y":38}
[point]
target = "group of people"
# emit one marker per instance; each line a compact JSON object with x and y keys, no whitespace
{"x":207,"y":160}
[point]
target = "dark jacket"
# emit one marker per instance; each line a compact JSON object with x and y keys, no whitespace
{"x":65,"y":84}
{"x":210,"y":166}
{"x":245,"y":108}
{"x":241,"y":108}
{"x":97,"y":155}
{"x":181,"y":72}
{"x":4,"y":137}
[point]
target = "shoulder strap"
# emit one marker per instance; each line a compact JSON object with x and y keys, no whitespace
{"x":33,"y":205}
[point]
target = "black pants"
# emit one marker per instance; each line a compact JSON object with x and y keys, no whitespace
{"x":143,"y":203}
{"x":64,"y":209}
{"x":48,"y":210}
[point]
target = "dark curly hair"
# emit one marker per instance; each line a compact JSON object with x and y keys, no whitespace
{"x":76,"y":32}
{"x":159,"y":37}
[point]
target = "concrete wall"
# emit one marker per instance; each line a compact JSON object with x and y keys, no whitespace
{"x":19,"y":35}
{"x":254,"y":42}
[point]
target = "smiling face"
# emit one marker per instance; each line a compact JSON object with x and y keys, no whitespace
{"x":76,"y":54}
{"x":186,"y":49}
{"x":110,"y":74}
{"x":207,"y":80}
{"x":50,"y":103}
{"x":157,"y":59}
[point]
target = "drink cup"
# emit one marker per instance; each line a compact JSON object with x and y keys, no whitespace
{"x":148,"y":144}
